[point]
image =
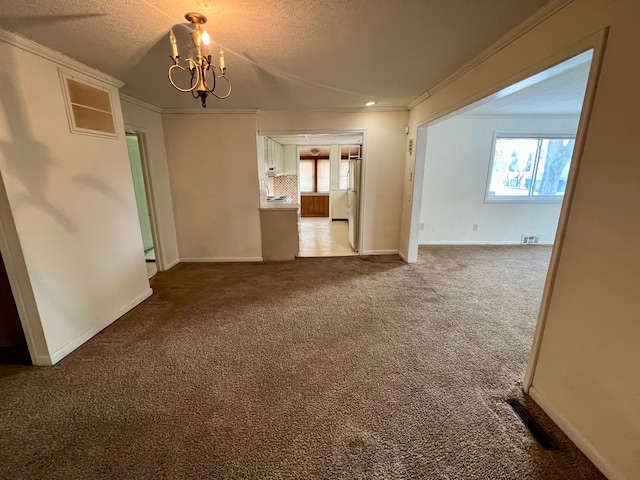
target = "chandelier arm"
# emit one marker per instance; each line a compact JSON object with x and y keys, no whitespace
{"x":193,"y":86}
{"x":222,"y":97}
{"x":211,"y":67}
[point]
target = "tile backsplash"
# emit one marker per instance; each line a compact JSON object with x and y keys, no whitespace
{"x":286,"y":185}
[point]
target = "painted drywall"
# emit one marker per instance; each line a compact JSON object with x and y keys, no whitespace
{"x":383,"y":164}
{"x":213,"y":167}
{"x":148,"y":123}
{"x":457,"y":163}
{"x":586,"y":372}
{"x":73,"y":207}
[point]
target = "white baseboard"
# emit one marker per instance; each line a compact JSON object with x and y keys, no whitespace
{"x":59,"y":354}
{"x":172,"y":264}
{"x":467,"y":242}
{"x":379,"y":252}
{"x":576,"y":437}
{"x":221,"y":259}
{"x":42,"y":361}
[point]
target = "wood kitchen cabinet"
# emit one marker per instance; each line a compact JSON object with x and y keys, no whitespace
{"x":314,"y":205}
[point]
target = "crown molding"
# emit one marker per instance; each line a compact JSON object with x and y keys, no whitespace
{"x":209,"y":111}
{"x":542,"y":14}
{"x":264,"y":113}
{"x":54,"y":56}
{"x":254,"y":111}
{"x":140,"y":103}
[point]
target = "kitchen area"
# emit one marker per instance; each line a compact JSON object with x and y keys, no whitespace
{"x":309,"y":195}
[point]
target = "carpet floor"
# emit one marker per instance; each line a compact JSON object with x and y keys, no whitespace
{"x":346,"y":368}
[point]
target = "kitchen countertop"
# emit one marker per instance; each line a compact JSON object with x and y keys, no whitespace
{"x":270,"y":206}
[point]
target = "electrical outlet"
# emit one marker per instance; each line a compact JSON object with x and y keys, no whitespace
{"x":475,"y":227}
{"x":422,"y":226}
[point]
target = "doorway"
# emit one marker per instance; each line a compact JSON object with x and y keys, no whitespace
{"x":497,"y":171}
{"x":13,"y":345}
{"x":134,"y":143}
{"x":536,"y":94}
{"x":315,"y":174}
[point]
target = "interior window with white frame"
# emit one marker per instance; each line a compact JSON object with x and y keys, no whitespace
{"x":529,"y":168}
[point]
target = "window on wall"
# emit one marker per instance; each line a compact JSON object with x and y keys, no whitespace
{"x":343,"y":175}
{"x":529,"y":168}
{"x":307,"y":174}
{"x":315,"y":176}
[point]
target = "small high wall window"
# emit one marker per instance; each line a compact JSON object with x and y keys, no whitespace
{"x":529,"y":168}
{"x":89,"y":107}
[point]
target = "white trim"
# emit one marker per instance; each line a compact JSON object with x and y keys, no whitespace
{"x":42,"y":361}
{"x":67,"y":75}
{"x":583,"y":444}
{"x":140,"y":103}
{"x":158,"y":243}
{"x":597,"y":42}
{"x":209,"y":111}
{"x":521,"y":29}
{"x":47,"y":53}
{"x":399,"y":108}
{"x":172,"y":264}
{"x":59,"y":354}
{"x":312,"y":131}
{"x":220,"y":259}
{"x":477,"y":242}
{"x":379,"y":252}
{"x":20,"y":281}
{"x":416,"y":190}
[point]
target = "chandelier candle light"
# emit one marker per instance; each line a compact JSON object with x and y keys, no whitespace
{"x":199,"y":87}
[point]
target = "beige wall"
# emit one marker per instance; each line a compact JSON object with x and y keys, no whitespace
{"x":383,"y":164}
{"x":459,"y":153}
{"x":213,"y":169}
{"x":149,"y":124}
{"x":72,"y":205}
{"x":587,"y":372}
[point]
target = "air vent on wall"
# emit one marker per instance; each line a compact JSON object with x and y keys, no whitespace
{"x":529,"y":239}
{"x":89,"y":107}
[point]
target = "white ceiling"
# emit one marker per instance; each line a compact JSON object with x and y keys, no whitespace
{"x":319,"y":140}
{"x":281,"y":54}
{"x":557,"y":91}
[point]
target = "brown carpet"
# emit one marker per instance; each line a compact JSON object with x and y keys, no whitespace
{"x":347,"y":368}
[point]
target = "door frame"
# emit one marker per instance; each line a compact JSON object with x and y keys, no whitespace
{"x":363,"y":168}
{"x":595,"y":42}
{"x":140,"y":133}
{"x":18,"y":352}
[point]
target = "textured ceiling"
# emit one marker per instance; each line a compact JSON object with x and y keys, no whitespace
{"x":280,"y":54}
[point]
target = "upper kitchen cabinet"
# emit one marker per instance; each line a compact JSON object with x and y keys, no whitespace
{"x":274,"y":157}
{"x":290,"y":160}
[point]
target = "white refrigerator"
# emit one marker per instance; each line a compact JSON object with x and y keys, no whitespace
{"x":353,"y":202}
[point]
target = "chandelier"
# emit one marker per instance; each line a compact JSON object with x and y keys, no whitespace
{"x":205,"y":76}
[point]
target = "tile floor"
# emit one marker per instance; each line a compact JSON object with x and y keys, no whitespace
{"x":150,"y":257}
{"x":152,"y":269}
{"x":321,"y":237}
